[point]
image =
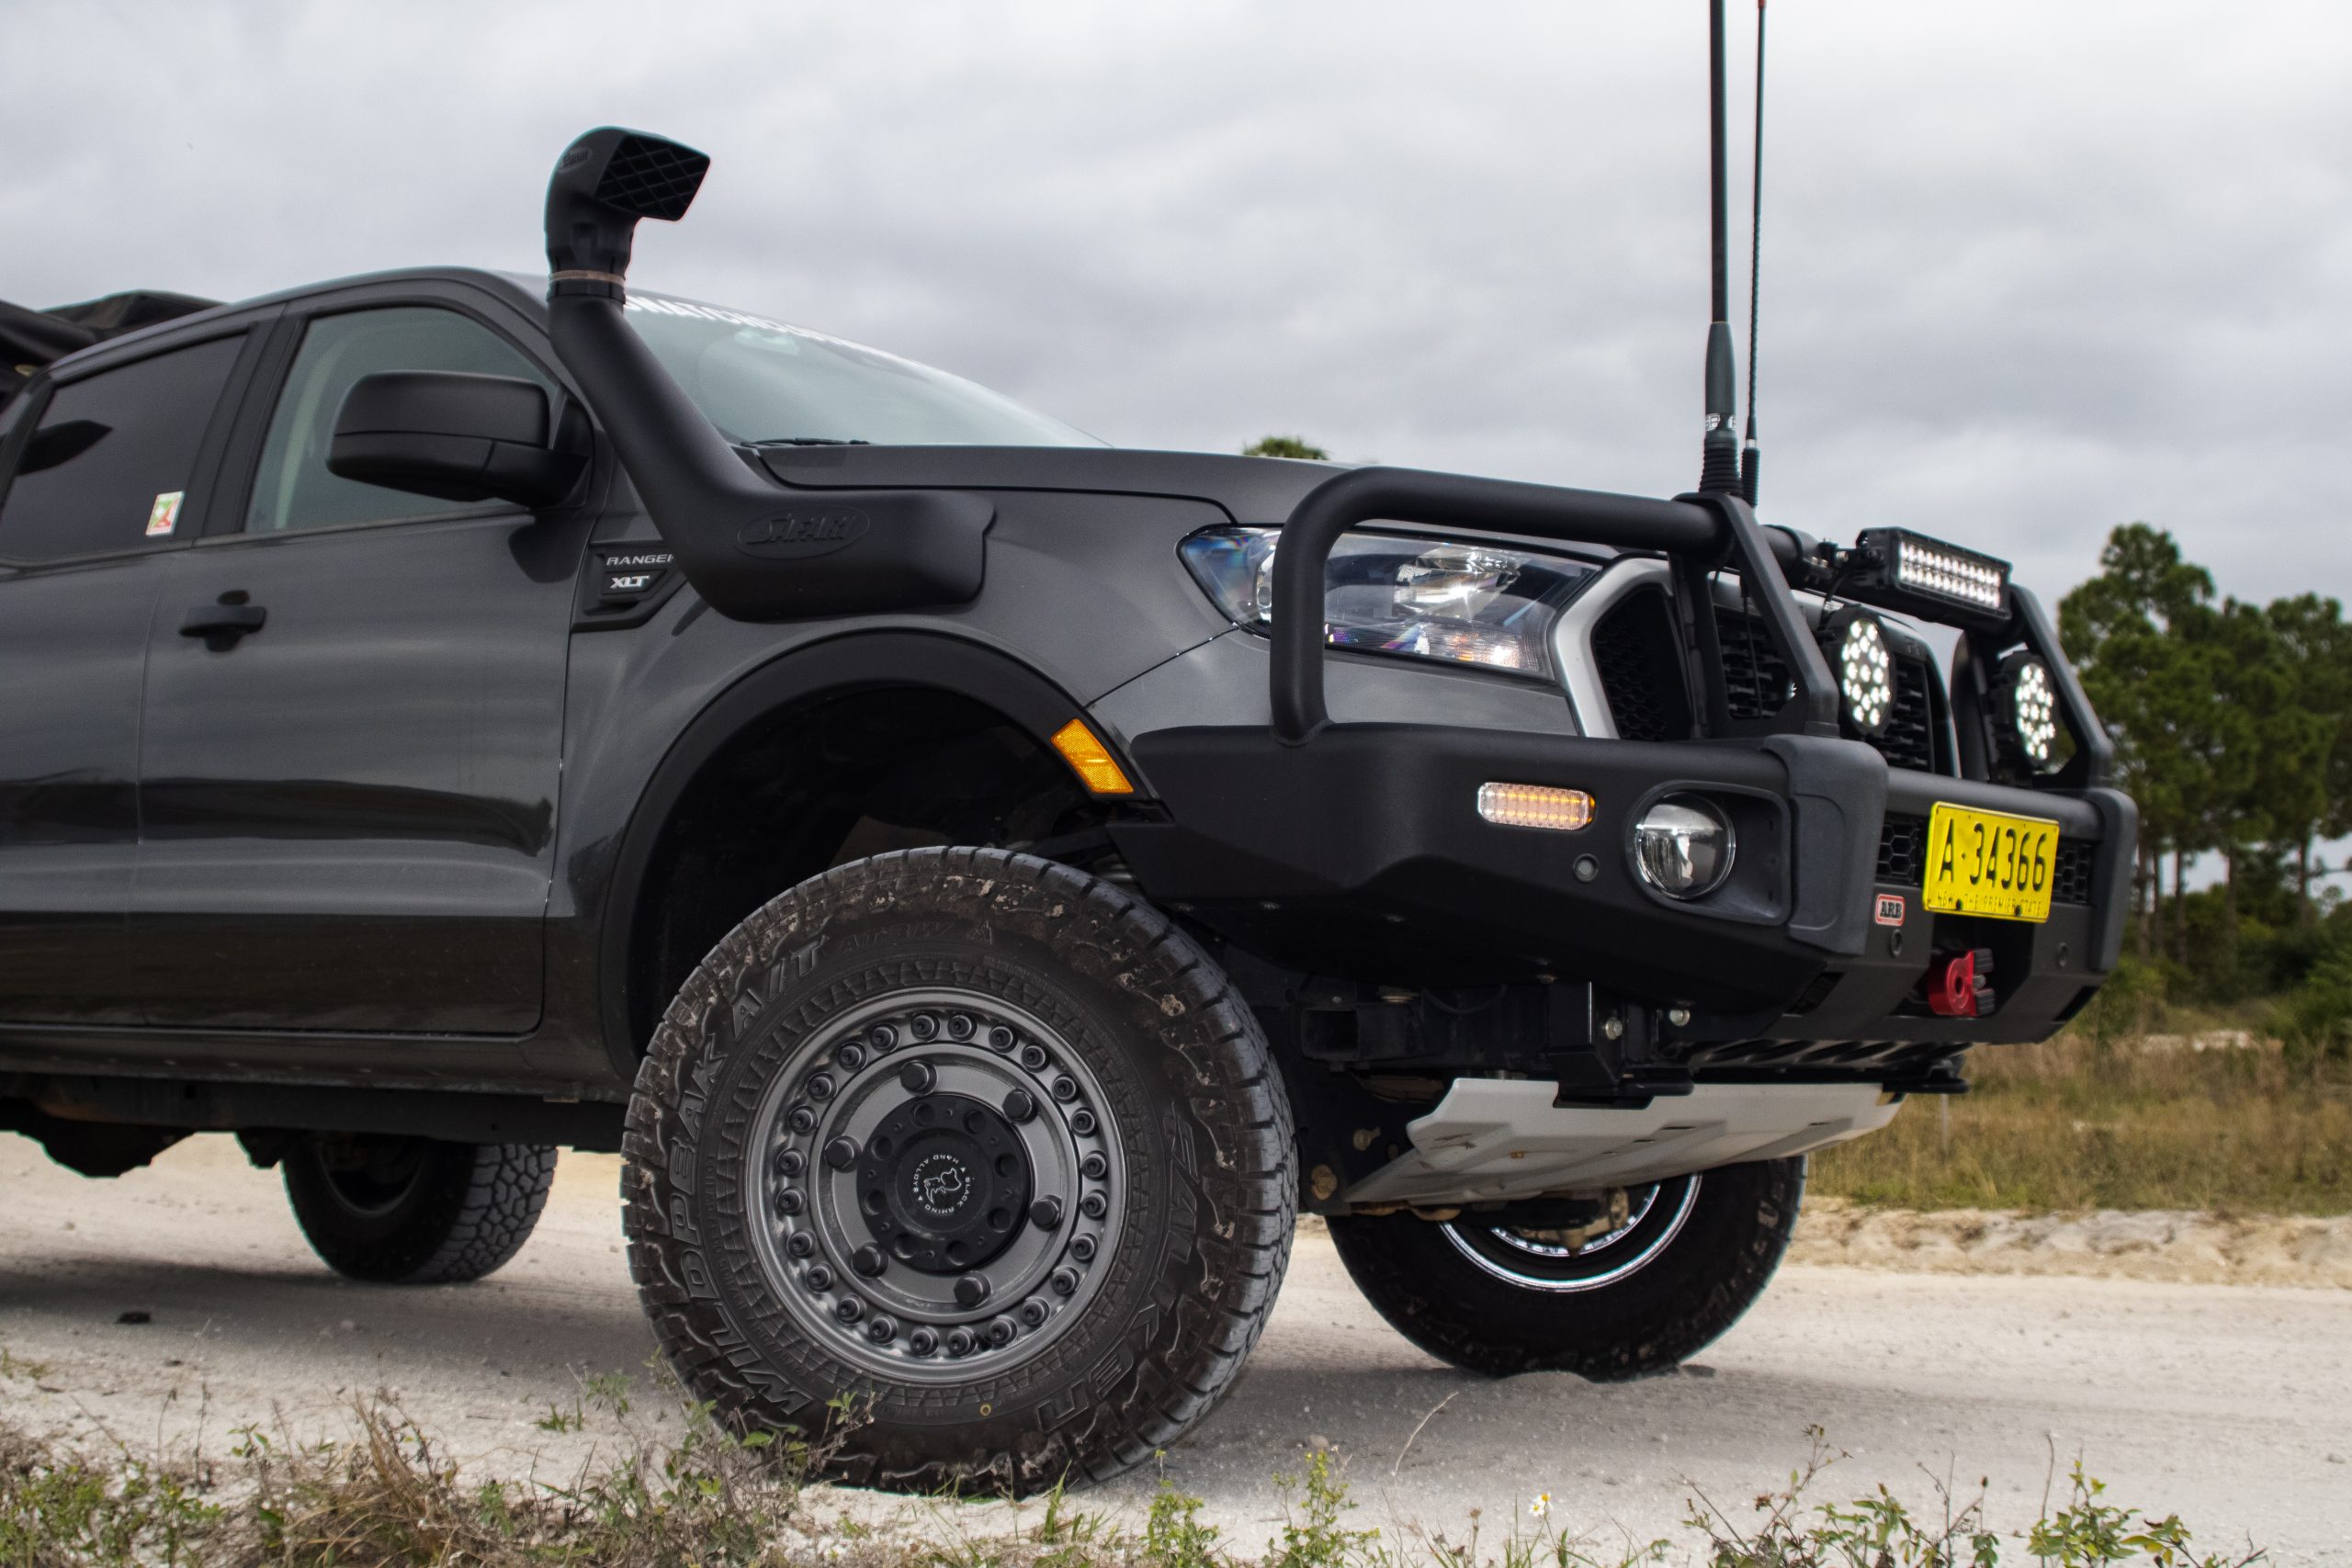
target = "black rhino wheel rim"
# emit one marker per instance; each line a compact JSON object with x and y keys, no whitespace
{"x":940,"y":1184}
{"x":1654,"y":1216}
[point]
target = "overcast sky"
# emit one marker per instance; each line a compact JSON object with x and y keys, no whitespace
{"x":2031,"y":269}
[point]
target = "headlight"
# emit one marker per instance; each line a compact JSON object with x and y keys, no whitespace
{"x":1865,"y":667}
{"x":2027,"y":702}
{"x":1453,"y":601}
{"x":1683,"y":847}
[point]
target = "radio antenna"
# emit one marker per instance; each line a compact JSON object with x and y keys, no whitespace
{"x":1750,"y":458}
{"x":1719,"y":449}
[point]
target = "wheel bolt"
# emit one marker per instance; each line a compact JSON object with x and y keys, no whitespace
{"x":882,"y":1037}
{"x":1093,"y":1205}
{"x":1001,"y":1331}
{"x":1000,"y":1039}
{"x":819,"y":1277}
{"x":1045,"y":1213}
{"x":1082,"y":1249}
{"x":852,"y":1056}
{"x":869,"y":1260}
{"x":916,"y":1077}
{"x":1034,"y":1057}
{"x":1095,"y":1168}
{"x":960,"y":1025}
{"x":1033,"y":1311}
{"x":882,"y":1331}
{"x":922,"y":1341}
{"x":801,"y":1245}
{"x":849,"y":1309}
{"x":1020,"y":1105}
{"x":1082,"y":1122}
{"x":790,"y":1201}
{"x":789,"y":1163}
{"x":971,"y":1290}
{"x":842,"y":1153}
{"x":923,"y":1025}
{"x":802,"y":1119}
{"x":959,"y":1342}
{"x":821,"y":1087}
{"x":1065,"y":1281}
{"x":1065,"y":1088}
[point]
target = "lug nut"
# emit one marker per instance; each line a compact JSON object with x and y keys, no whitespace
{"x":1034,"y":1057}
{"x":923,"y":1025}
{"x":789,"y":1202}
{"x":1020,"y":1105}
{"x":789,"y":1163}
{"x":1000,"y":1039}
{"x":922,"y":1341}
{"x":869,"y":1260}
{"x":1001,"y":1332}
{"x":802,"y":1119}
{"x":1082,"y":1249}
{"x":1065,"y":1088}
{"x":882,"y":1331}
{"x":916,"y":1077}
{"x":819,"y":1277}
{"x":849,"y":1309}
{"x":1045,"y":1213}
{"x":842,"y":1153}
{"x":1095,"y":1168}
{"x":971,"y":1291}
{"x":1033,"y":1311}
{"x":1082,"y":1122}
{"x":959,"y":1025}
{"x":960,"y":1341}
{"x":882,"y":1037}
{"x":1093,"y":1205}
{"x":801,"y":1244}
{"x":851,"y":1057}
{"x":821,"y":1087}
{"x":1065,"y":1281}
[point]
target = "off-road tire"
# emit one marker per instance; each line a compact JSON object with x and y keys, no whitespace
{"x":463,"y":1211}
{"x":1689,"y":1289}
{"x":1193,"y":1247}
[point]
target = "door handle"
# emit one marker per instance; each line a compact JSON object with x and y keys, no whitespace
{"x":222,"y":625}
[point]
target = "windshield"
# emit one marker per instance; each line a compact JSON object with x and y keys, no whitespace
{"x":763,"y":381}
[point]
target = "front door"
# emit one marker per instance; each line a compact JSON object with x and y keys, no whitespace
{"x":349,"y":808}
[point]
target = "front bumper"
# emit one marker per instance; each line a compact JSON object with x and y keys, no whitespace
{"x":1360,"y":855}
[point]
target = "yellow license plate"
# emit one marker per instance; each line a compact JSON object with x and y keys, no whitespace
{"x":1989,"y":862}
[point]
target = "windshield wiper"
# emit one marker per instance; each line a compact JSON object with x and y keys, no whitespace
{"x":809,"y":441}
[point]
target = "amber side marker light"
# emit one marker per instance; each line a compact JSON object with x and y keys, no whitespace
{"x":1091,"y":759}
{"x":1534,"y":806}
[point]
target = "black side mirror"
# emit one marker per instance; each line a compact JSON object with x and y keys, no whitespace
{"x":452,"y":434}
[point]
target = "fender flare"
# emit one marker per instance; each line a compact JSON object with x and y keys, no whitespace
{"x":834,"y":667}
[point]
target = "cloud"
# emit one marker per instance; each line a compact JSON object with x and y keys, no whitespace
{"x":2029,"y":269}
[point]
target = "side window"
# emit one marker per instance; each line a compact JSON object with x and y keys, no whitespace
{"x":292,"y":489}
{"x":110,"y":464}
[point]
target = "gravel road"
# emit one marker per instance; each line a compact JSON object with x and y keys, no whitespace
{"x":2230,"y":1404}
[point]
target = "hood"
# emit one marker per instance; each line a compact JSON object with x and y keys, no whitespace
{"x":1250,"y":489}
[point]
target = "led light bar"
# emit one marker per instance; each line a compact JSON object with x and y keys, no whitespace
{"x":1913,"y":564}
{"x":1534,"y":806}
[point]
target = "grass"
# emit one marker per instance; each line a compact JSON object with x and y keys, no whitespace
{"x":2089,"y":1121}
{"x":387,"y":1495}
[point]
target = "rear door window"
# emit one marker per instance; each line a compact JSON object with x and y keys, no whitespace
{"x":111,"y":463}
{"x":293,"y":489}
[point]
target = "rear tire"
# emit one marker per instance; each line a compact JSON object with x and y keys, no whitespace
{"x":979,"y":1142}
{"x":400,"y":1210}
{"x":1695,"y":1254}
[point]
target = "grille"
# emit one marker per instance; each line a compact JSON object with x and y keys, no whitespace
{"x":1756,"y":680}
{"x":1910,"y":738}
{"x":1632,"y":650}
{"x":1902,"y":851}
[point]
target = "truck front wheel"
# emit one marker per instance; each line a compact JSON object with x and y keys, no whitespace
{"x":1691,"y":1256}
{"x":967,"y":1166}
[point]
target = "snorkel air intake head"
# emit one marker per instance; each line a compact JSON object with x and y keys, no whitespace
{"x":604,"y":181}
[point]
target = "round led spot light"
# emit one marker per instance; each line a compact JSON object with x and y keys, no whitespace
{"x":1865,"y":666}
{"x":1683,"y":847}
{"x":2028,"y":708}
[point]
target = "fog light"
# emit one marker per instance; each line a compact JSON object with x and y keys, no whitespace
{"x":1683,"y":847}
{"x":2027,"y":705}
{"x":1534,"y":806}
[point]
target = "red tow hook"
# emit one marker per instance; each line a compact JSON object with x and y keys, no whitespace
{"x":1958,"y":985}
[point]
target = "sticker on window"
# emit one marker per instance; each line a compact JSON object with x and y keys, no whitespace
{"x":165,"y":516}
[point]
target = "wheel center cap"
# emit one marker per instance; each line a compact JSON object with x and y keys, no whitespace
{"x":942,"y":1183}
